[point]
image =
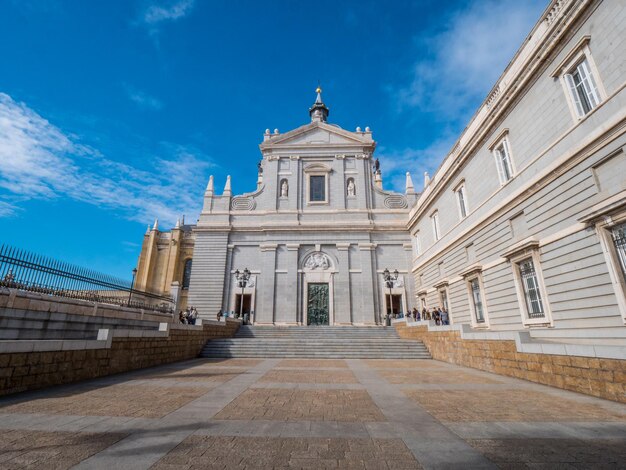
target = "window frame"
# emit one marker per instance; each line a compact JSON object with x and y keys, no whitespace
{"x":580,"y":53}
{"x":505,"y":145}
{"x":417,"y":248}
{"x":318,"y":169}
{"x":469,"y":275}
{"x":182,"y":281}
{"x":529,"y":249}
{"x":604,"y":228}
{"x":434,"y":217}
{"x":461,"y":191}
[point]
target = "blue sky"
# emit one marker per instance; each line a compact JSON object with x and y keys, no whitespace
{"x":114,"y":113}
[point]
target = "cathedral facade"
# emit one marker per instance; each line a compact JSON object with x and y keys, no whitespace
{"x":315,"y":236}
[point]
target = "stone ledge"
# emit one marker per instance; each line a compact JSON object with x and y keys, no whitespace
{"x":524,"y":341}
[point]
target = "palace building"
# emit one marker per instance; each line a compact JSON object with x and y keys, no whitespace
{"x":522,"y":227}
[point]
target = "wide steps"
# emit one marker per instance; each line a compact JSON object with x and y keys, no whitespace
{"x":323,"y":342}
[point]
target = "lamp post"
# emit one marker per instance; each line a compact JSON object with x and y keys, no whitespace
{"x":132,"y":286}
{"x":242,"y":279}
{"x":389,"y":280}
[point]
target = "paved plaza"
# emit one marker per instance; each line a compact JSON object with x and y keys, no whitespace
{"x":252,"y":413}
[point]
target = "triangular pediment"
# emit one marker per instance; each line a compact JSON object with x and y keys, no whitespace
{"x":317,"y":133}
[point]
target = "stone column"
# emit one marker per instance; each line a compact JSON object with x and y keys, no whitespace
{"x":268,"y":284}
{"x":367,"y":314}
{"x":288,"y":308}
{"x":409,"y":282}
{"x":228,"y":278}
{"x":342,"y":286}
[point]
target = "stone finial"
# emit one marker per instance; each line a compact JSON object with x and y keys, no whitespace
{"x":183,"y":220}
{"x":426,"y":179}
{"x":148,"y":230}
{"x":156,"y":224}
{"x":209,"y":187}
{"x":267,"y":132}
{"x":227,"y":189}
{"x":367,"y":129}
{"x":177,"y":223}
{"x":409,"y":184}
{"x":358,"y":129}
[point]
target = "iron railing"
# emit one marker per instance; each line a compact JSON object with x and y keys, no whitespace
{"x":20,"y":269}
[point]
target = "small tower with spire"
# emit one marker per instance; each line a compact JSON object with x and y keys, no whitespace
{"x":319,"y":111}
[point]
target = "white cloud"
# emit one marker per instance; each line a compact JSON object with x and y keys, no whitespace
{"x":39,"y":161}
{"x":143,"y":99}
{"x":458,"y":66}
{"x":168,"y":11}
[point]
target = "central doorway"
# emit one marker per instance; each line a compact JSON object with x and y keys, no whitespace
{"x":317,"y":304}
{"x":247,"y":303}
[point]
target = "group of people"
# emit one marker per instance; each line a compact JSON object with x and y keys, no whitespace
{"x":188,"y":316}
{"x":439,"y":314}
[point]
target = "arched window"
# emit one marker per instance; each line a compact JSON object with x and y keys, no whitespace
{"x":187,"y":274}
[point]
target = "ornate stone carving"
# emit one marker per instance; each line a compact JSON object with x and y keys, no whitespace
{"x":317,"y":260}
{"x":243,"y":203}
{"x":284,"y":189}
{"x":395,"y":201}
{"x":351,"y":187}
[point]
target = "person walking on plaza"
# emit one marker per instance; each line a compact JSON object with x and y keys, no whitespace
{"x":181,"y":316}
{"x":219,"y":315}
{"x":193,"y":314}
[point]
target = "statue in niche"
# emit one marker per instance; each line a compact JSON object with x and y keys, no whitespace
{"x":284,"y":189}
{"x":317,"y":260}
{"x":351,"y":187}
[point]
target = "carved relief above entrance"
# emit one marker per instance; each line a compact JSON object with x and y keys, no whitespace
{"x":317,"y":260}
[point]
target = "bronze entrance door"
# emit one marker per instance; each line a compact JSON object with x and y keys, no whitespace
{"x":317,"y":304}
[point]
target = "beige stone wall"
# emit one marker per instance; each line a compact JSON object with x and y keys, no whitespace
{"x":20,"y":372}
{"x":604,"y":378}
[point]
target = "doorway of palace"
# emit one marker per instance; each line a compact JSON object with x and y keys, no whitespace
{"x":395,"y":305}
{"x":247,"y":303}
{"x":317,"y":304}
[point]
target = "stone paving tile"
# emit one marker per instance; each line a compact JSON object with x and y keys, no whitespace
{"x":405,"y":364}
{"x":263,"y":452}
{"x":453,"y":376}
{"x":310,"y":376}
{"x":234,"y":362}
{"x":553,"y":453}
{"x":50,"y":450}
{"x":115,"y":400}
{"x":313,"y":363}
{"x":303,"y":405}
{"x":508,"y":405}
{"x":197,"y":374}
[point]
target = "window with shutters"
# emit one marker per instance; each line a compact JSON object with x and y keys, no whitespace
{"x":504,"y":162}
{"x":187,"y":274}
{"x":580,"y":79}
{"x":435,"y":221}
{"x":461,"y":199}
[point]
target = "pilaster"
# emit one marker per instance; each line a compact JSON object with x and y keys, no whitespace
{"x":268,"y":275}
{"x":343,"y":309}
{"x":367,"y":313}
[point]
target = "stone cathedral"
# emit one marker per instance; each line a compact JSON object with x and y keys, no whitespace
{"x":316,"y":235}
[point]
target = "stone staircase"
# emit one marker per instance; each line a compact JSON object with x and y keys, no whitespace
{"x":322,"y":342}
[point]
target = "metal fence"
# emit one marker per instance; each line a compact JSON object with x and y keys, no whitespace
{"x":27,"y":271}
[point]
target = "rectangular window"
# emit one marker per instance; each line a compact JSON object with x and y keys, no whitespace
{"x":435,"y":219}
{"x":618,"y":235}
{"x":460,"y":194}
{"x":477,"y":300}
{"x":317,"y":188}
{"x":530,"y":285}
{"x":583,"y":88}
{"x":502,"y":154}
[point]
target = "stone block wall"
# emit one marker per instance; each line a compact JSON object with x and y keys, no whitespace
{"x":21,"y":371}
{"x":604,"y":378}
